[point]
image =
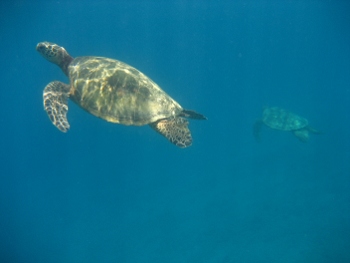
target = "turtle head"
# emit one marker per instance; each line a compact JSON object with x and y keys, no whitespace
{"x":55,"y":54}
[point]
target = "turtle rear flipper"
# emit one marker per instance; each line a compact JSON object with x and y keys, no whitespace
{"x":175,"y":130}
{"x":56,"y":104}
{"x":303,"y":134}
{"x":313,"y":130}
{"x":193,"y":115}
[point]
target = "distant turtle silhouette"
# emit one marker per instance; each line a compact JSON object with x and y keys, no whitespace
{"x":115,"y":92}
{"x":283,"y":120}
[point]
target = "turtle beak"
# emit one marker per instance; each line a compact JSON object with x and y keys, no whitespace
{"x":40,"y":48}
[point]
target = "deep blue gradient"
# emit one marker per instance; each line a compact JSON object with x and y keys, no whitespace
{"x":111,"y":193}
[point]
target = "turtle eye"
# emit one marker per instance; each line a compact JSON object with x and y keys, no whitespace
{"x":40,"y":48}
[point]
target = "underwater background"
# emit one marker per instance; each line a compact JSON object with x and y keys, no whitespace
{"x":112,"y":193}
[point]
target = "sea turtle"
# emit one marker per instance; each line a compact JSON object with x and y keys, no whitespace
{"x":281,"y":119}
{"x":115,"y":92}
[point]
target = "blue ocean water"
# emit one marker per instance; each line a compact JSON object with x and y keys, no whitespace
{"x":111,"y":193}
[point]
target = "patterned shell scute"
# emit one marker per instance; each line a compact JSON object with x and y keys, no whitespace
{"x":281,"y":119}
{"x":117,"y":92}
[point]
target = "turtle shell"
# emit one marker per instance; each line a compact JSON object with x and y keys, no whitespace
{"x":117,"y":92}
{"x":280,"y":119}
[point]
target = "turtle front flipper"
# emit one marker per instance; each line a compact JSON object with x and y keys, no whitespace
{"x":56,"y":104}
{"x":175,"y":130}
{"x":257,"y":129}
